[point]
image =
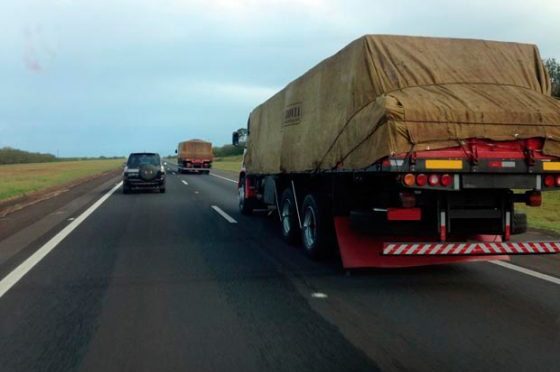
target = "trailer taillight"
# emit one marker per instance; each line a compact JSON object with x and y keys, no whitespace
{"x":433,"y":180}
{"x":549,"y":181}
{"x":430,"y":180}
{"x":534,"y":199}
{"x":421,"y":179}
{"x":446,"y":180}
{"x":409,"y":179}
{"x":558,"y":181}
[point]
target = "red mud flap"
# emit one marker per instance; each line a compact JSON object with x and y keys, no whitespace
{"x":471,"y":248}
{"x":358,"y":250}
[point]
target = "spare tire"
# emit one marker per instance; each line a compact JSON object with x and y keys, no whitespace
{"x":519,"y":223}
{"x":148,"y":172}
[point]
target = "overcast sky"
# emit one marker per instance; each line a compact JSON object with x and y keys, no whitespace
{"x":108,"y":77}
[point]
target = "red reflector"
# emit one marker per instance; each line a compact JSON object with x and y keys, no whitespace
{"x":421,"y":179}
{"x":549,"y":181}
{"x":558,"y":181}
{"x":404,"y":214}
{"x":433,"y":180}
{"x":446,"y":180}
{"x":250,"y":191}
{"x":495,"y":164}
{"x":534,"y":199}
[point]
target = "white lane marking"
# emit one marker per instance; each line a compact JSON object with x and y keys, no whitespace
{"x":185,"y":182}
{"x":525,"y":271}
{"x":224,"y":178}
{"x":70,"y":219}
{"x":319,"y":295}
{"x":196,"y":192}
{"x":224,"y":214}
{"x":19,"y":272}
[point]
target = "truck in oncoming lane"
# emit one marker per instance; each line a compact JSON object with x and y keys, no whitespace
{"x":194,"y":156}
{"x":404,"y":151}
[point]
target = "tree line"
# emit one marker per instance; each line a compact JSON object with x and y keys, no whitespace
{"x":227,"y":150}
{"x":553,"y":67}
{"x":9,"y":155}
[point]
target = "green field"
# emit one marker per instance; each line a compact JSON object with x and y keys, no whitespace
{"x":548,"y":215}
{"x":229,"y":163}
{"x":21,"y":179}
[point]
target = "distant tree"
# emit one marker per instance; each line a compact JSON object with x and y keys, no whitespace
{"x":227,"y":150}
{"x":10,"y":155}
{"x":553,"y":67}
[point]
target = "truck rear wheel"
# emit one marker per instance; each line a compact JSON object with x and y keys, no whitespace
{"x":245,"y":205}
{"x":288,"y":216}
{"x":317,"y":228}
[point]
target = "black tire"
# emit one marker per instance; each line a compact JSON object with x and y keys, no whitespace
{"x":317,"y":232}
{"x":519,"y":223}
{"x":246,"y":206}
{"x":162,"y":190}
{"x":126,"y":189}
{"x":289,"y":222}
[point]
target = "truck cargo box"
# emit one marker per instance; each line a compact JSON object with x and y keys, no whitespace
{"x":195,"y":150}
{"x":384,"y":95}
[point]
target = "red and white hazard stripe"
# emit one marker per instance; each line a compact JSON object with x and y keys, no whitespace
{"x":470,"y":248}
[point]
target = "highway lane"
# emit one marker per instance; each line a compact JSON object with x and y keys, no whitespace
{"x":164,"y":282}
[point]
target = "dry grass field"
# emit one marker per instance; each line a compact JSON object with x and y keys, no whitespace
{"x":21,"y":179}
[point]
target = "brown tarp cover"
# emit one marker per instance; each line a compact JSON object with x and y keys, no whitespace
{"x":195,"y":149}
{"x":383,"y":95}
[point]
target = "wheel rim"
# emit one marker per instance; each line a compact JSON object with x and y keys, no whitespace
{"x":286,"y":217}
{"x":309,"y":228}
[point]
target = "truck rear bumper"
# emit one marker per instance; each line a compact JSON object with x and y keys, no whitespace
{"x":470,"y":248}
{"x":361,"y":250}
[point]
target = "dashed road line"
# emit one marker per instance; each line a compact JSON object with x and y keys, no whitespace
{"x":319,"y":295}
{"x":19,"y":272}
{"x":185,"y":182}
{"x":227,"y":217}
{"x":224,"y":178}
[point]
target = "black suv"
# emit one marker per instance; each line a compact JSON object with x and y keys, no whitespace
{"x":143,"y":171}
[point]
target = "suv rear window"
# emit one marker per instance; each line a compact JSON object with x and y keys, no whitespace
{"x":136,"y":160}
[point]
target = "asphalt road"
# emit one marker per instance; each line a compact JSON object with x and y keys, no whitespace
{"x":167,"y":282}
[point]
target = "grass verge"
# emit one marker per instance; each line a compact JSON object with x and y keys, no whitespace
{"x":229,"y":163}
{"x":547,"y":216}
{"x":21,"y":179}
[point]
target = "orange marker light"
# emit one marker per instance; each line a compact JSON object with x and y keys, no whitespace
{"x":409,"y":179}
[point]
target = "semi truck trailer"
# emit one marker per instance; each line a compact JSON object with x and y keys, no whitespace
{"x":194,"y":156}
{"x":403,"y":151}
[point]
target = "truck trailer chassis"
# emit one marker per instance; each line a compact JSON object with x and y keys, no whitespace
{"x":422,"y":208}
